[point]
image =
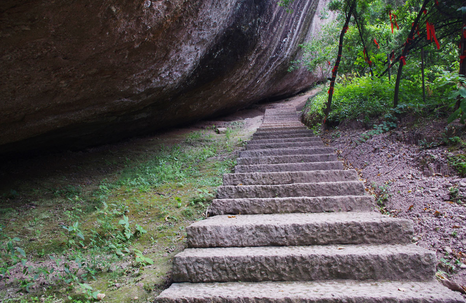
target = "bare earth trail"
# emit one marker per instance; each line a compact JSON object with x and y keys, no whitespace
{"x":290,"y":225}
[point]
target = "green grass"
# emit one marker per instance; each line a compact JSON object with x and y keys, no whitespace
{"x":113,"y":222}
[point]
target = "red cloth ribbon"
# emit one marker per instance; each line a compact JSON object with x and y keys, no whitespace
{"x":345,"y":29}
{"x":329,"y":62}
{"x":395,"y":17}
{"x":462,"y":58}
{"x":330,"y":90}
{"x":391,"y":22}
{"x":428,"y":30}
{"x":417,"y":29}
{"x":334,"y":69}
{"x":375,"y":41}
{"x":436,"y":2}
{"x":425,"y":12}
{"x":431,"y":33}
{"x":403,"y":58}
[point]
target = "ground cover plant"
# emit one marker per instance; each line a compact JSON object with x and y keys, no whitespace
{"x":104,"y":224}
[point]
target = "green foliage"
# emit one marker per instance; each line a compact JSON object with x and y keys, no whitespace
{"x":142,"y":260}
{"x":10,"y":253}
{"x":382,"y":194}
{"x":458,"y":98}
{"x":365,"y":99}
{"x":320,"y":51}
{"x":458,"y":162}
{"x":357,"y":96}
{"x":74,"y":234}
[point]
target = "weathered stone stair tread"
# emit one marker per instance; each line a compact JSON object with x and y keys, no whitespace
{"x":315,"y":189}
{"x":276,"y":178}
{"x":282,"y":130}
{"x":299,"y":229}
{"x":309,"y":166}
{"x":286,"y":145}
{"x":348,"y":291}
{"x":305,"y":263}
{"x":286,"y":159}
{"x":285,"y":151}
{"x":291,"y":205}
{"x":307,"y":134}
{"x":284,"y":140}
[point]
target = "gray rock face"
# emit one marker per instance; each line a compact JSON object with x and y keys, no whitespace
{"x":86,"y":72}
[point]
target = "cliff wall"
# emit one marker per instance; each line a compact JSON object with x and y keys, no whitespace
{"x":79,"y":73}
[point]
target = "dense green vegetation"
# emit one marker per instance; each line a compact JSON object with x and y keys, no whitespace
{"x":364,"y":89}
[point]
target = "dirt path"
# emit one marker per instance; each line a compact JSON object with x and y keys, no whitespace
{"x":416,"y":184}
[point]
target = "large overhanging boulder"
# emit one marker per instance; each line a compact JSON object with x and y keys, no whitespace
{"x":80,"y":73}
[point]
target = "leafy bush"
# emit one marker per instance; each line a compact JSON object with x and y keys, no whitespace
{"x":365,"y":98}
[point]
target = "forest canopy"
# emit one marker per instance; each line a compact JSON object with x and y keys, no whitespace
{"x":384,"y":57}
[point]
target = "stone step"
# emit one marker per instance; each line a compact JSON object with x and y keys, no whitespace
{"x":291,"y":205}
{"x":287,"y":159}
{"x":281,"y":132}
{"x":284,"y":136}
{"x":348,"y":291}
{"x":282,"y":129}
{"x":289,"y":167}
{"x":299,"y":230}
{"x":276,"y":178}
{"x":285,"y":145}
{"x":285,"y":140}
{"x":274,"y":118}
{"x":304,"y":263}
{"x":286,"y":151}
{"x":277,"y":119}
{"x":280,"y":125}
{"x":320,"y":189}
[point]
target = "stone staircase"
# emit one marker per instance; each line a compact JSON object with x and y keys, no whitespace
{"x":290,"y":225}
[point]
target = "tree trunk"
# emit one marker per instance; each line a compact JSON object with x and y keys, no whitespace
{"x":337,"y":63}
{"x":366,"y":51}
{"x":463,"y":46}
{"x":405,"y":52}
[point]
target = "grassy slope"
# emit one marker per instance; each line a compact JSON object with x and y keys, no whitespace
{"x":161,"y":184}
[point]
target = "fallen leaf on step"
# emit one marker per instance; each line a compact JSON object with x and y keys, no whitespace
{"x":401,"y":289}
{"x":340,"y":248}
{"x":231,"y":216}
{"x":411,"y":207}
